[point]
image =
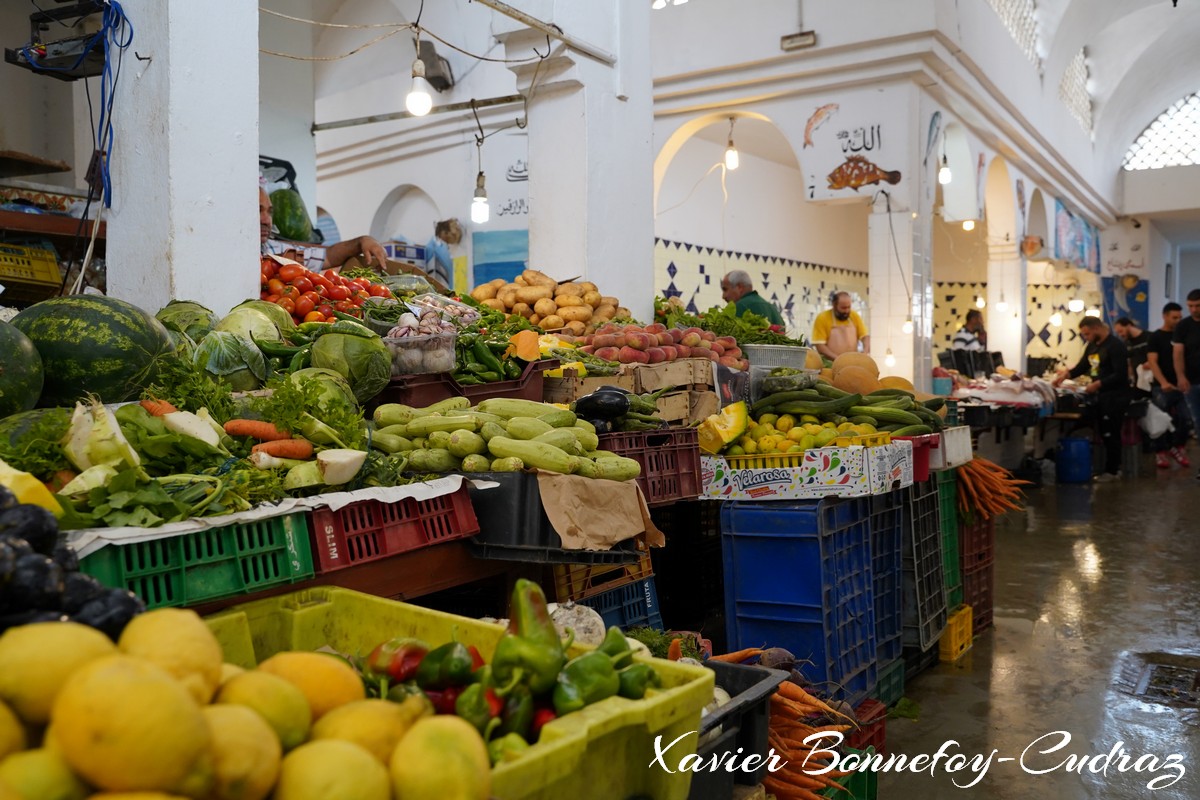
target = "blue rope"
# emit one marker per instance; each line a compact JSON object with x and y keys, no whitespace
{"x":114,"y":20}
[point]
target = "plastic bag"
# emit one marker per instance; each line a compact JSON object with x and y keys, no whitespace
{"x":1156,"y":422}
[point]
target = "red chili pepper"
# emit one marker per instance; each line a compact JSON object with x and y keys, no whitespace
{"x":495,"y":704}
{"x":476,"y":659}
{"x":540,"y":717}
{"x":398,"y":659}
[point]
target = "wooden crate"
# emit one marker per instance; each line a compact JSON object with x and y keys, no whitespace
{"x":568,"y":389}
{"x":686,"y":373}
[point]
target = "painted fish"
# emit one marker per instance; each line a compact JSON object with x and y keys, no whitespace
{"x":857,"y":171}
{"x":817,"y":119}
{"x":935,"y":127}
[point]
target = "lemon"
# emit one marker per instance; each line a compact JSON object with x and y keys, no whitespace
{"x":814,"y":429}
{"x":331,"y":769}
{"x":279,"y":702}
{"x":178,"y":641}
{"x":785,"y":423}
{"x":376,"y":725}
{"x":246,"y":753}
{"x":326,"y":681}
{"x":442,"y":757}
{"x":36,"y":661}
{"x":845,"y":426}
{"x":42,"y":774}
{"x":135,"y":796}
{"x":795,"y":434}
{"x":795,"y":448}
{"x":125,"y":724}
{"x":229,"y":671}
{"x":808,"y":441}
{"x":810,"y":419}
{"x":830,"y":426}
{"x":12,"y":732}
{"x":750,"y":446}
{"x":768,"y":419}
{"x":735,"y":450}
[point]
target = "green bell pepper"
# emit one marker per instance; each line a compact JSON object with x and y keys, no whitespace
{"x":517,"y":716}
{"x":445,"y":666}
{"x":636,"y":679}
{"x":587,"y":679}
{"x":509,"y":747}
{"x":479,"y":705}
{"x":531,"y":652}
{"x":616,"y":647}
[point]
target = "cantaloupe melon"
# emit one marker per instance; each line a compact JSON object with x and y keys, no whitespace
{"x":855,"y":379}
{"x":856,"y":360}
{"x":896,"y":382}
{"x":826,"y":375}
{"x":813,"y":359}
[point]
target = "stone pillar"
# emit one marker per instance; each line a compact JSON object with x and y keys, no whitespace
{"x":184,"y":165}
{"x":1006,"y":285}
{"x":591,"y":157}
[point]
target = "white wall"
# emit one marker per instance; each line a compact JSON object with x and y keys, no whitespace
{"x":1189,"y":273}
{"x":959,"y":256}
{"x":1169,"y":189}
{"x":285,"y":98}
{"x":766,"y":212}
{"x":1159,"y":254}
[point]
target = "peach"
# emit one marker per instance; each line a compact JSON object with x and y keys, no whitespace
{"x":736,"y":352}
{"x":676,"y":335}
{"x":664,"y":338}
{"x":630,"y":356}
{"x":745,"y":364}
{"x":711,"y":355}
{"x":717,"y":348}
{"x":608,"y":353}
{"x":708,"y":336}
{"x":656,"y":327}
{"x":671,"y":352}
{"x":634,"y":329}
{"x":587,"y":348}
{"x":703,"y":344}
{"x":691,"y":338}
{"x":605,"y":340}
{"x":727,"y":342}
{"x":608,"y":328}
{"x":729,"y":361}
{"x":656,"y":355}
{"x":683,"y":350}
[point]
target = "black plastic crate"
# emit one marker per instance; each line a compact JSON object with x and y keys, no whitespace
{"x":924,"y":576}
{"x":513,"y":526}
{"x":688,"y":571}
{"x":917,"y":661}
{"x":887,"y":519}
{"x":743,"y":723}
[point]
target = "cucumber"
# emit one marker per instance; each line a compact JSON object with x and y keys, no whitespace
{"x":830,"y":391}
{"x":826,"y":407}
{"x":864,"y":420}
{"x":928,"y":417}
{"x":890,"y":393}
{"x":779,"y":398}
{"x":912,"y":430}
{"x":886,"y":414}
{"x":935,"y":404}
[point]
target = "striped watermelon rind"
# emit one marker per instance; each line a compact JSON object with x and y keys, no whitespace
{"x":91,"y":344}
{"x":21,"y":373}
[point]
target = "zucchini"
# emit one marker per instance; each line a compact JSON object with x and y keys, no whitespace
{"x":826,"y":407}
{"x":438,"y":440}
{"x":587,"y":439}
{"x":617,"y":469}
{"x":423,"y":426}
{"x":928,"y":417}
{"x":447,"y":406}
{"x":399,"y":429}
{"x":563,"y":439}
{"x":891,"y":401}
{"x":509,"y":407}
{"x":538,"y":455}
{"x":863,"y":420}
{"x":390,"y":443}
{"x":886,"y":414}
{"x":436,"y":460}
{"x":507,"y":465}
{"x":912,"y":430}
{"x":393,"y":414}
{"x":466,"y":443}
{"x":559,"y":418}
{"x":587,"y":469}
{"x":483,"y":416}
{"x":599,"y":454}
{"x":890,"y":428}
{"x":527,"y":428}
{"x":891,"y":393}
{"x":585,"y":425}
{"x":830,"y":391}
{"x":491,"y":430}
{"x":476,"y":463}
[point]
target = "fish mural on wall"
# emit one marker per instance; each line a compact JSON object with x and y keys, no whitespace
{"x":857,"y":171}
{"x":935,"y":129}
{"x":818,"y":118}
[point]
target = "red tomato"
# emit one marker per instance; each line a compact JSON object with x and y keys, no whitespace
{"x":320,"y":280}
{"x":314,"y":296}
{"x":359,"y":297}
{"x":325,"y":309}
{"x":270,"y":298}
{"x":338,"y":293}
{"x":289,"y":291}
{"x":379,"y":290}
{"x":289,"y":272}
{"x":275,"y":286}
{"x":303,"y":284}
{"x":287,"y":304}
{"x":314,"y":316}
{"x":304,"y":306}
{"x":361,"y":283}
{"x":264,"y":295}
{"x":269,"y":267}
{"x":345,"y":306}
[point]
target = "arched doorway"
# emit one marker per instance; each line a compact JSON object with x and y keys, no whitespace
{"x":406,"y":212}
{"x":1005,"y":318}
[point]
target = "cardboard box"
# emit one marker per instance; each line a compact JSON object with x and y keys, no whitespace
{"x":686,"y":373}
{"x":954,"y":449}
{"x":825,"y":472}
{"x":398,"y":268}
{"x":569,"y":388}
{"x":688,"y":408}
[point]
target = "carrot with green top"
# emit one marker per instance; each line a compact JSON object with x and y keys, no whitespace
{"x":157,"y":408}
{"x":285,"y":448}
{"x":256,"y":429}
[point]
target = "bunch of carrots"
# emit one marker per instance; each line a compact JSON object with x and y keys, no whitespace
{"x":987,"y":489}
{"x":796,"y":715}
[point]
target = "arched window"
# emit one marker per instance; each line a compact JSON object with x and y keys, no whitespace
{"x":1020,"y":17}
{"x":1172,"y":140}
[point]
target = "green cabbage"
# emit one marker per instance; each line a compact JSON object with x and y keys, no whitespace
{"x":334,"y":388}
{"x":233,"y":358}
{"x":189,"y":318}
{"x":366,"y":364}
{"x":282,"y":319}
{"x":250,"y":324}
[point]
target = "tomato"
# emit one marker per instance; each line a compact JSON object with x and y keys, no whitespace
{"x":315,"y":297}
{"x":303,"y":284}
{"x":287,"y":304}
{"x":289,"y":291}
{"x":360,"y":296}
{"x":314,"y":316}
{"x":304,"y":306}
{"x":269,"y":268}
{"x":338,"y":293}
{"x":274,"y":286}
{"x":361,"y":283}
{"x":270,"y":298}
{"x":289,"y":272}
{"x":345,"y":306}
{"x":379,"y":290}
{"x":325,"y":309}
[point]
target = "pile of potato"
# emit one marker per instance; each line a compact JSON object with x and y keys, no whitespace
{"x":574,"y":308}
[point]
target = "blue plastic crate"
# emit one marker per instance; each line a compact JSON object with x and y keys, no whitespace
{"x":924,"y":604}
{"x":887,"y":519}
{"x":631,"y":606}
{"x":798,"y":576}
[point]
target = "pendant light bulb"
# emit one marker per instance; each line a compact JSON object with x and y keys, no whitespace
{"x":659,"y":4}
{"x":731,"y":153}
{"x":1074,"y":305}
{"x":889,"y":360}
{"x":480,"y":213}
{"x":907,"y":327}
{"x":980,"y":302}
{"x":419,"y":101}
{"x":944,"y":175}
{"x":1093,"y":312}
{"x":968,"y":225}
{"x":1056,"y":319}
{"x":1001,"y":305}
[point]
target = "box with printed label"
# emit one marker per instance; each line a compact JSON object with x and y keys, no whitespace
{"x":852,"y":471}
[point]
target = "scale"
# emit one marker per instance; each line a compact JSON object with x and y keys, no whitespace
{"x":67,"y":59}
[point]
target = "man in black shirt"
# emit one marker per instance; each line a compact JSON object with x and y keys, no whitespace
{"x":1106,"y":362}
{"x":1137,"y":342}
{"x":1186,"y":341}
{"x":1160,"y":359}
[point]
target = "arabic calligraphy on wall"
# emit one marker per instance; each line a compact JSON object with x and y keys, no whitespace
{"x":513,"y":206}
{"x":860,"y":139}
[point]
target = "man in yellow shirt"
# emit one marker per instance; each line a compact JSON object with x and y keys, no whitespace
{"x":840,"y":329}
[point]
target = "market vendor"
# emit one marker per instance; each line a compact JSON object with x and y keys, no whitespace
{"x":971,"y":336}
{"x":736,"y":288}
{"x":315,"y":257}
{"x":1105,"y":361}
{"x":840,"y":329}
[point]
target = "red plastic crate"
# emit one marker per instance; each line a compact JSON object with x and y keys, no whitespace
{"x":670,"y":460}
{"x":425,"y":390}
{"x":872,"y":727}
{"x":921,"y":446}
{"x":369,"y":530}
{"x":976,"y":543}
{"x":979,"y":586}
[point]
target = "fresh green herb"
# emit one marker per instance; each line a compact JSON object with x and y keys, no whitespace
{"x":290,"y":400}
{"x":749,"y":328}
{"x":659,"y":642}
{"x":190,"y":387}
{"x":38,"y":450}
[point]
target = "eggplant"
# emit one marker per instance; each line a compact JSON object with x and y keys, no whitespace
{"x":611,"y":388}
{"x":80,"y":589}
{"x":66,"y":558}
{"x":602,"y":425}
{"x":110,"y":612}
{"x":32,"y":523}
{"x":602,"y":405}
{"x":36,"y":582}
{"x":8,"y":562}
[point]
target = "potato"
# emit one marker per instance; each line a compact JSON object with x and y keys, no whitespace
{"x":520,"y":280}
{"x":572,"y":289}
{"x":507,"y":296}
{"x":592,"y":299}
{"x":523,"y":309}
{"x":579,"y":313}
{"x":610,"y":301}
{"x":545,"y":307}
{"x":568,"y":300}
{"x":499,"y":283}
{"x":588,"y":286}
{"x":531,"y":294}
{"x":496,"y":304}
{"x":623,"y":313}
{"x":553,"y":322}
{"x":485,"y":292}
{"x":535,"y":319}
{"x":576,"y":328}
{"x":535,"y":278}
{"x":604,"y":313}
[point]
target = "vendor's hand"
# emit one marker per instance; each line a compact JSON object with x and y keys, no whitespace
{"x":1183,"y":384}
{"x":1169,"y":387}
{"x":1093,"y":387}
{"x":372,"y":252}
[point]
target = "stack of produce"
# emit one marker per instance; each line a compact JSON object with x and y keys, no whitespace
{"x":574,"y":307}
{"x":987,"y":489}
{"x":611,"y":408}
{"x":797,"y":715}
{"x":748,"y":328}
{"x":309,"y":296}
{"x":655,"y":343}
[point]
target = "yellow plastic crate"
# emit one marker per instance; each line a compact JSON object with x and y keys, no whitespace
{"x":28,"y":273}
{"x":863,"y":440}
{"x":766,"y":461}
{"x":600,"y":751}
{"x":956,"y":639}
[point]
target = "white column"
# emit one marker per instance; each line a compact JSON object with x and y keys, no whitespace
{"x":1006,"y":285}
{"x":890,"y":284}
{"x":184,"y":221}
{"x":591,"y":158}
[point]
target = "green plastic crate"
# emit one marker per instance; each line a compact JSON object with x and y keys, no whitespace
{"x":860,"y":785}
{"x":890,"y":686}
{"x":948,"y":503}
{"x":209,"y":564}
{"x":600,"y":751}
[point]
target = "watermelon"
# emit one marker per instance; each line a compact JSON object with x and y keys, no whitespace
{"x":91,"y":344}
{"x":20,"y":371}
{"x":290,"y":216}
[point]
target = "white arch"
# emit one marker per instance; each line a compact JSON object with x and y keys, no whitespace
{"x":687,"y":130}
{"x":960,"y":197}
{"x":408,"y":210}
{"x":1000,"y":202}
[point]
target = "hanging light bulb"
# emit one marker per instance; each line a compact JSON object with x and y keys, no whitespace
{"x":1074,"y":305}
{"x":680,"y":2}
{"x":907,"y":327}
{"x":419,"y":101}
{"x":968,"y":225}
{"x":480,"y":213}
{"x":889,"y":360}
{"x":944,"y":175}
{"x":1056,"y":319}
{"x":731,"y":153}
{"x":1001,"y":306}
{"x":980,"y":302}
{"x":657,"y":4}
{"x":1093,"y":312}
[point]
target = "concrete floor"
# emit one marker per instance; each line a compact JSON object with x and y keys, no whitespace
{"x":1085,"y":576}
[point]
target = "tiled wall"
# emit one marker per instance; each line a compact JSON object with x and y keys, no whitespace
{"x":951,"y":302}
{"x":801,"y":290}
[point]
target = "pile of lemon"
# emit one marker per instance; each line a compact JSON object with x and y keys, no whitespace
{"x":159,"y":716}
{"x":771,"y":434}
